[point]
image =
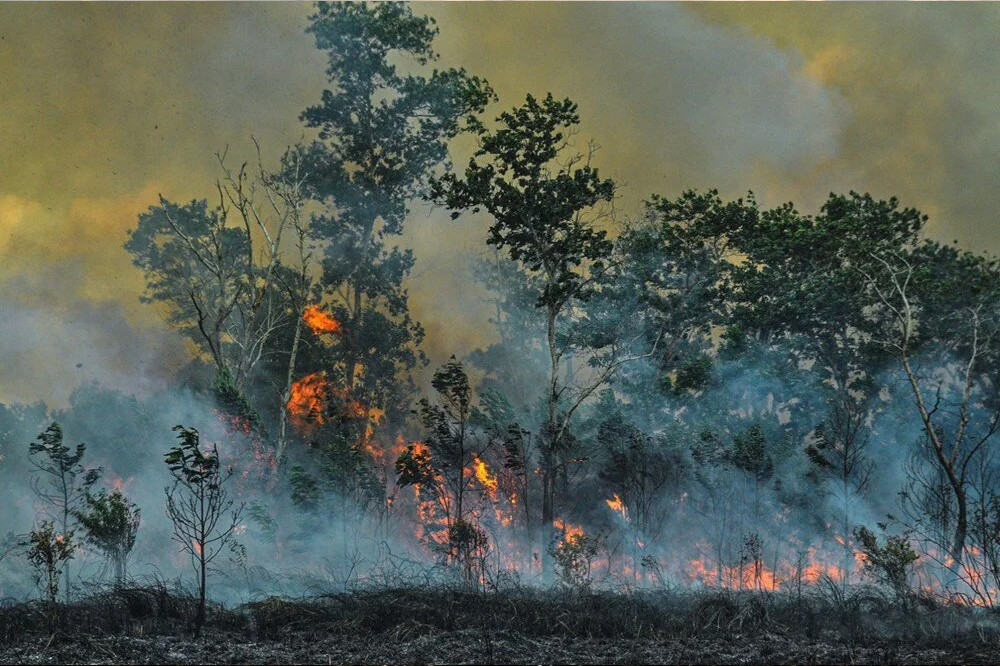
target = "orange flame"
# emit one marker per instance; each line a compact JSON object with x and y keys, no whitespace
{"x":319,"y":321}
{"x":309,"y":397}
{"x":569,"y":531}
{"x":485,"y":478}
{"x":616,"y":504}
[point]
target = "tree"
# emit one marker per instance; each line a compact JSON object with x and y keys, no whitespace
{"x":110,"y":523}
{"x":638,"y":468}
{"x":441,"y":467}
{"x":935,"y":310}
{"x":49,"y":552}
{"x":539,"y":200}
{"x":799,"y":287}
{"x":380,"y":134}
{"x":672,"y":268}
{"x":219,"y":270}
{"x":199,"y":507}
{"x":64,"y":481}
{"x":448,"y":429}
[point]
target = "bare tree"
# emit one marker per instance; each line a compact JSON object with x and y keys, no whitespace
{"x":942,"y":316}
{"x":199,"y":507}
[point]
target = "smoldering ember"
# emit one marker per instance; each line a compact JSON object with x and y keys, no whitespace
{"x":486,"y":333}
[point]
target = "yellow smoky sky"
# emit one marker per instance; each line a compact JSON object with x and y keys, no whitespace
{"x":103,"y":106}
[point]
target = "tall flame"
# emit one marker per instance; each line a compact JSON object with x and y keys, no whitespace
{"x":485,"y":478}
{"x":616,"y":504}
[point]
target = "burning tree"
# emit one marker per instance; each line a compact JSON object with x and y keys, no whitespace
{"x":221,"y":273}
{"x":66,"y":481}
{"x":199,"y":507}
{"x":442,"y":468}
{"x":110,"y":523}
{"x":539,"y":200}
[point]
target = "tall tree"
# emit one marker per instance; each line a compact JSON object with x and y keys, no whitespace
{"x":936,"y":310}
{"x":63,"y":482}
{"x":381,"y":132}
{"x":799,"y":287}
{"x":544,"y":199}
{"x":217,"y":269}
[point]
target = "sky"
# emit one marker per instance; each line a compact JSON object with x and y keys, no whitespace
{"x":106,"y":105}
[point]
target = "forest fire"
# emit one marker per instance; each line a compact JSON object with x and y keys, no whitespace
{"x":320,"y":322}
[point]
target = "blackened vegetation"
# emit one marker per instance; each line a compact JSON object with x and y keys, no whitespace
{"x":454,"y":625}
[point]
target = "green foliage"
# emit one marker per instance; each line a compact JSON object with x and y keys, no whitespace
{"x":110,"y":523}
{"x":573,"y":556}
{"x":381,"y":133}
{"x":413,"y":467}
{"x":192,"y":467}
{"x":468,"y":547}
{"x":890,"y":562}
{"x":48,"y":552}
{"x":534,"y":200}
{"x":58,"y":460}
{"x":234,"y":401}
{"x":749,"y":453}
{"x":306,"y":493}
{"x":447,"y":420}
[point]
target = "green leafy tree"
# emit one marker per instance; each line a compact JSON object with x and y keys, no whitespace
{"x":62,"y":481}
{"x":539,"y":195}
{"x":110,"y":523}
{"x":671,"y":268}
{"x":800,"y":288}
{"x":199,"y":507}
{"x":381,"y":132}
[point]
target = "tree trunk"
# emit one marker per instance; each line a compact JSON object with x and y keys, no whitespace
{"x":961,"y":525}
{"x":286,"y":395}
{"x":549,"y":456}
{"x":199,"y":620}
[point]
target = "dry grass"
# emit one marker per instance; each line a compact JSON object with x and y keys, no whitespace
{"x":453,"y":625}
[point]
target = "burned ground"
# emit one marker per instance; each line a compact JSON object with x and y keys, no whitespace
{"x":446,"y":625}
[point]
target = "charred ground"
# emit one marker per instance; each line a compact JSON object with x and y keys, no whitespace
{"x":451,"y":625}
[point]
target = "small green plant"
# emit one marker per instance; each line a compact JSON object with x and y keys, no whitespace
{"x":48,"y":552}
{"x":573,"y":556}
{"x":890,"y":563}
{"x":62,"y":481}
{"x":200,"y":509}
{"x":110,"y":523}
